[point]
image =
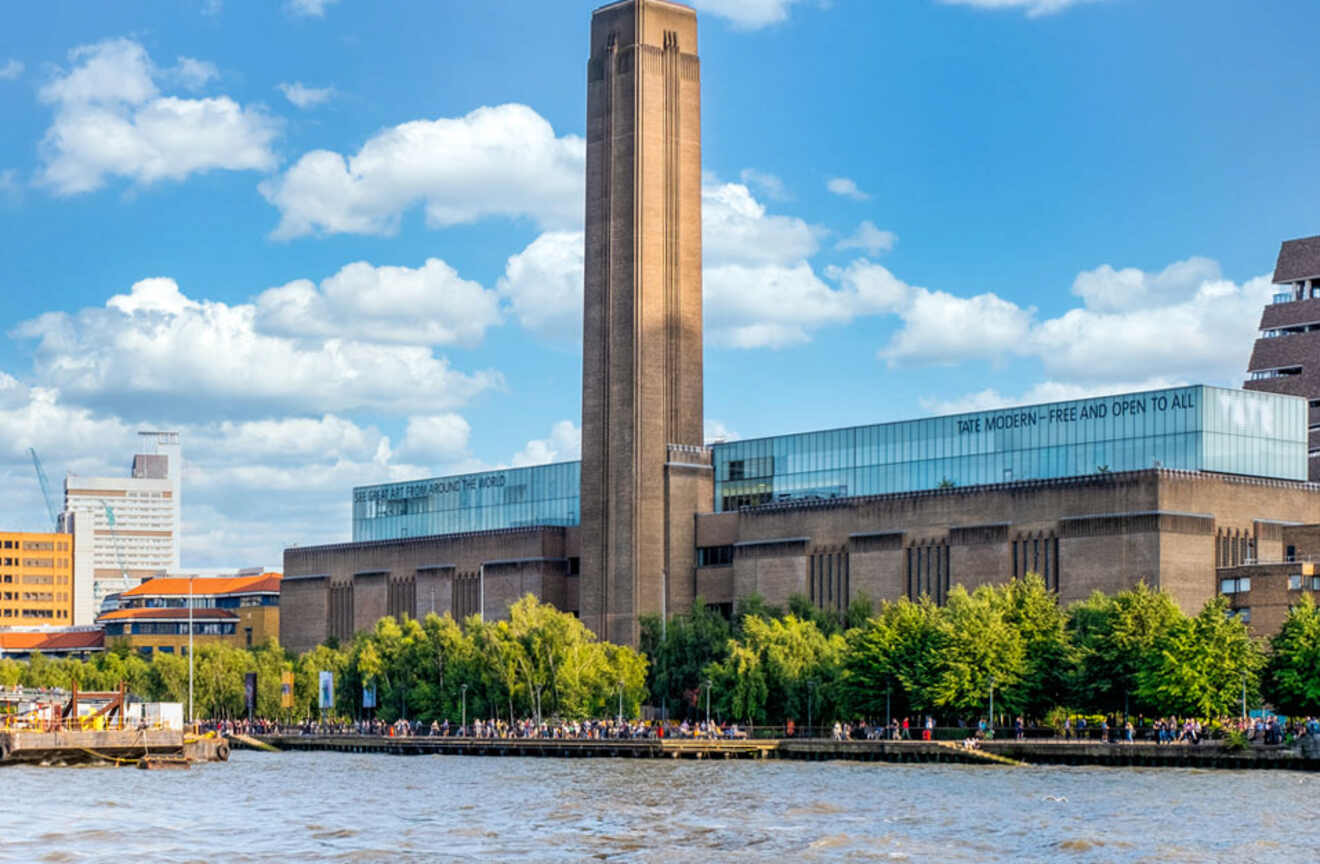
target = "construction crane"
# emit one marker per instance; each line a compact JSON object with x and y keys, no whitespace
{"x":45,"y":489}
{"x":114,"y":536}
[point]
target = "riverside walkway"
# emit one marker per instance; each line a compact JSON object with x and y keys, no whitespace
{"x":1003,"y":752}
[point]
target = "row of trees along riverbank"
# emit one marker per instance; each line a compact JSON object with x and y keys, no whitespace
{"x":1135,"y":651}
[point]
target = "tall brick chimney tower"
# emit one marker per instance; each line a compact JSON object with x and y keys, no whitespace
{"x":641,"y":358}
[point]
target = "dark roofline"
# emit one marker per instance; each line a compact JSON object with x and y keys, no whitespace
{"x":428,"y":538}
{"x":1298,"y":259}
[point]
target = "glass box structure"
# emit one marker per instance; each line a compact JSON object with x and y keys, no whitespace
{"x":509,"y":498}
{"x":1195,"y":428}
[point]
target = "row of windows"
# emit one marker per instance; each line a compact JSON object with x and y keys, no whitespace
{"x":714,"y":556}
{"x":169,"y":628}
{"x":34,"y":613}
{"x":36,"y":596}
{"x":238,"y":602}
{"x":1242,"y":584}
{"x":34,"y":562}
{"x":37,"y":545}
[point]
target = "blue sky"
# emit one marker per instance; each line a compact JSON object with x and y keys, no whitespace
{"x":337,"y":242}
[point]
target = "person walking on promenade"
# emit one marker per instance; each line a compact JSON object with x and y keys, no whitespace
{"x":1067,"y":728}
{"x":1019,"y":728}
{"x":929,"y":731}
{"x":907,"y":732}
{"x":1127,"y":731}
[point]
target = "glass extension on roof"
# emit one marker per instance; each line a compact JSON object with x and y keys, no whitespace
{"x":1195,"y":428}
{"x":509,"y":498}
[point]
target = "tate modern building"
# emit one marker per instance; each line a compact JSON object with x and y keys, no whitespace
{"x":1164,"y":486}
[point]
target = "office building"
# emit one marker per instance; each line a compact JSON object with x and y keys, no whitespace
{"x":126,"y":529}
{"x":36,"y":579}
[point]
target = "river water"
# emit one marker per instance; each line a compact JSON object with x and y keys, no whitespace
{"x":343,"y":807}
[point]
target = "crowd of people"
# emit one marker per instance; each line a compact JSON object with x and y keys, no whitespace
{"x":1160,"y":731}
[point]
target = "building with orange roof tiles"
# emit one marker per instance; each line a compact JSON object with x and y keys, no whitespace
{"x":20,"y":643}
{"x":241,"y":610}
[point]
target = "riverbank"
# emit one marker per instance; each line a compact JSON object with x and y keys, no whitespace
{"x":1031,"y":752}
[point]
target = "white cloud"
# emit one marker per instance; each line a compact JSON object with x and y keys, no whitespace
{"x":429,"y":305}
{"x":310,"y":8}
{"x":759,"y":288}
{"x":736,"y":229}
{"x":1204,"y":334}
{"x":1033,"y":8}
{"x":11,"y":69}
{"x":769,"y":185}
{"x":846,"y":188}
{"x":1182,"y":324}
{"x":436,"y":438}
{"x":9,"y":188}
{"x":543,"y":283}
{"x":748,"y":14}
{"x":156,"y":350}
{"x":305,"y":97}
{"x":1108,"y":290}
{"x":563,"y":444}
{"x":193,"y":74}
{"x":111,"y":120}
{"x":869,"y":239}
{"x":716,"y":431}
{"x":500,"y":161}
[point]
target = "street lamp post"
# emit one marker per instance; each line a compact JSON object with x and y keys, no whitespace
{"x":888,"y":715}
{"x":191,"y":719}
{"x":464,"y":728}
{"x":620,"y":701}
{"x":1244,"y":695}
{"x":708,"y":686}
{"x":811,"y":690}
{"x":990,"y":731}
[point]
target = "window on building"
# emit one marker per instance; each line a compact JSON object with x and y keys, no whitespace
{"x":1244,"y":615}
{"x":574,"y":566}
{"x":1290,"y":553}
{"x":714,"y":556}
{"x":1295,"y":582}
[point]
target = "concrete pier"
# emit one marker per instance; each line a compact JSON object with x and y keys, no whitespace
{"x":1207,"y":755}
{"x":70,"y":747}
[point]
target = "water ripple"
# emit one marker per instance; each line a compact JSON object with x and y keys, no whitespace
{"x":363,"y":808}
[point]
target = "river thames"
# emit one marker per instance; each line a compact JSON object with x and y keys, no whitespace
{"x":341,"y":807}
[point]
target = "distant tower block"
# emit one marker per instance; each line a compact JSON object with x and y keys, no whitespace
{"x":641,"y":375}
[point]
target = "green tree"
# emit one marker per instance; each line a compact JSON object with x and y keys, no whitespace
{"x":1030,"y":609}
{"x":789,"y":660}
{"x":977,"y":647}
{"x":1114,"y":637}
{"x":1292,"y":677}
{"x":1199,"y":665}
{"x":680,"y":653}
